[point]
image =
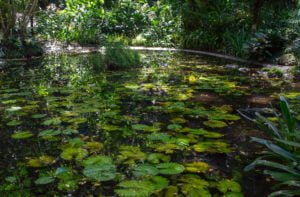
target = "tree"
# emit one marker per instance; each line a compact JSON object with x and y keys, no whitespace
{"x":15,"y":16}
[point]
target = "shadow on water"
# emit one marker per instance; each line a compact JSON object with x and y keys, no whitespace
{"x":176,"y":107}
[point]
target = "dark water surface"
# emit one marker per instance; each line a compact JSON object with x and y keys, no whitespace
{"x":170,"y":128}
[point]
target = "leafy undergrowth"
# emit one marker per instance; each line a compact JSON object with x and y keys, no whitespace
{"x":71,"y":130}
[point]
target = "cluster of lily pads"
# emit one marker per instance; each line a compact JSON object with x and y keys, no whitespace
{"x":127,"y":133}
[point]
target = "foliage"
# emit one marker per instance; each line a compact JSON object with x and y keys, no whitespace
{"x":281,"y":157}
{"x":18,"y":48}
{"x":118,"y":56}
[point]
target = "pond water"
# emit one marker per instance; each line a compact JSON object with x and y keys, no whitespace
{"x":168,"y":128}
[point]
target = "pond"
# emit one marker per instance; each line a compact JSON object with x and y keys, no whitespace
{"x":168,"y":128}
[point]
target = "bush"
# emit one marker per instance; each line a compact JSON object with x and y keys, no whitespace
{"x":118,"y":56}
{"x":282,"y":157}
{"x":16,"y":48}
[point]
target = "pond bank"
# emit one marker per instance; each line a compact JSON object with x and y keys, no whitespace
{"x":76,"y":49}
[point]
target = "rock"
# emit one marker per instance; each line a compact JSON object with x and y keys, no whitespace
{"x":244,"y":70}
{"x":287,"y":59}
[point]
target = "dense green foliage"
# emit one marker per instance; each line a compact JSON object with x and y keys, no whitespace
{"x":258,"y":30}
{"x":117,"y":56}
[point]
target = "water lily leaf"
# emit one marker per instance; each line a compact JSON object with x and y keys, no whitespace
{"x":145,"y":170}
{"x":158,"y":137}
{"x":156,"y":158}
{"x":159,"y":182}
{"x":14,"y":123}
{"x":69,"y":131}
{"x":38,"y":116}
{"x":135,"y":189}
{"x":167,"y":148}
{"x":49,"y":133}
{"x":11,"y":179}
{"x":94,"y":146}
{"x":74,"y":153}
{"x":178,"y":120}
{"x":41,"y":161}
{"x":215,"y":124}
{"x":192,"y":185}
{"x":196,"y":167}
{"x":212,"y":147}
{"x":44,"y":180}
{"x":227,"y":185}
{"x":99,"y":159}
{"x":100,"y":172}
{"x":174,"y":127}
{"x":22,"y":135}
{"x":52,"y":121}
{"x":170,"y":168}
{"x":143,"y":127}
{"x":130,"y":155}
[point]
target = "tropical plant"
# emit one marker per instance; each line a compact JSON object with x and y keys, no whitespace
{"x":281,"y":158}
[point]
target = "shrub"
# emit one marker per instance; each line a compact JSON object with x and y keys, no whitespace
{"x":281,"y":158}
{"x":118,"y":56}
{"x":17,"y":48}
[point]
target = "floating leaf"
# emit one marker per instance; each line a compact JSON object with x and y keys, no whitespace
{"x":74,"y":153}
{"x":135,"y":189}
{"x":22,"y":135}
{"x":49,"y":133}
{"x":215,"y":124}
{"x":156,"y":158}
{"x":158,"y":137}
{"x":145,"y":170}
{"x":38,"y":116}
{"x":100,"y":171}
{"x":170,"y":168}
{"x":130,"y":155}
{"x":143,"y":127}
{"x":192,"y":185}
{"x":52,"y":121}
{"x":174,"y":127}
{"x":196,"y":167}
{"x":99,"y":159}
{"x":94,"y":146}
{"x":41,"y":161}
{"x":44,"y":180}
{"x":212,"y":146}
{"x":14,"y":123}
{"x":227,"y":185}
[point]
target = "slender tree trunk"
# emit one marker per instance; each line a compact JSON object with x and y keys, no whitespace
{"x":257,"y":4}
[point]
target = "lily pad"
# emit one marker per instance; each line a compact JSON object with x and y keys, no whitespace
{"x":100,"y":172}
{"x":22,"y":135}
{"x":14,"y":123}
{"x":215,"y":124}
{"x":170,"y":168}
{"x":196,"y":167}
{"x":41,"y":161}
{"x":212,"y":147}
{"x":44,"y":180}
{"x":74,"y":153}
{"x":145,"y":170}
